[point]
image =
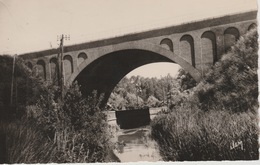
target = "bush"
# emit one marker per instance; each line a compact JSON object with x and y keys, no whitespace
{"x":74,"y":130}
{"x":90,"y":127}
{"x":77,"y":126}
{"x":233,"y":82}
{"x":26,"y":87}
{"x":185,"y":80}
{"x":219,"y":120}
{"x":40,"y":128}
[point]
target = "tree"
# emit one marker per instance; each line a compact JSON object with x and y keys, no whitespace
{"x":232,"y":83}
{"x":133,"y":101}
{"x":152,"y":101}
{"x":185,"y":80}
{"x":26,"y":87}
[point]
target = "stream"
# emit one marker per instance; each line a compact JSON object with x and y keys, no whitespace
{"x":133,"y":145}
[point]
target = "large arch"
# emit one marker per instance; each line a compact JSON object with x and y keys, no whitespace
{"x":108,"y":68}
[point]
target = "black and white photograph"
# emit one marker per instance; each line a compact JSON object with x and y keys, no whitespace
{"x":129,"y":81}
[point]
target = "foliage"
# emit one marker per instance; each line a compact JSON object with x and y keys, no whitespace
{"x":89,"y":124}
{"x":152,"y":101}
{"x":47,"y":129}
{"x":191,"y":134}
{"x":219,"y":118}
{"x":25,"y":144}
{"x":116,"y":101}
{"x":133,"y":101}
{"x":77,"y":126}
{"x":26,"y":87}
{"x":185,"y":80}
{"x":232,"y":83}
{"x":128,"y":89}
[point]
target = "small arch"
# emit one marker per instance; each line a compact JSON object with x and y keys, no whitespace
{"x":54,"y":68}
{"x":208,"y":49}
{"x":41,"y":69}
{"x":187,"y":49}
{"x":68,"y":66}
{"x":231,"y":35}
{"x":81,"y":57}
{"x":29,"y":65}
{"x":167,"y":44}
{"x":252,"y":26}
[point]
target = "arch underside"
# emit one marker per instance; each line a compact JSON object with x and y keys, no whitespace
{"x":104,"y":73}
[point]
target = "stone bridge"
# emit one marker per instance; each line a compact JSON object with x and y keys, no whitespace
{"x":100,"y":65}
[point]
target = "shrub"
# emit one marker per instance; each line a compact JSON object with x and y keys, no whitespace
{"x":185,"y":80}
{"x":75,"y":130}
{"x":90,"y":127}
{"x":26,"y":87}
{"x":233,"y":82}
{"x":77,"y":126}
{"x":72,"y":130}
{"x":219,"y":120}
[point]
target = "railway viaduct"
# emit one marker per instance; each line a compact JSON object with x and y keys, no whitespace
{"x":100,"y":65}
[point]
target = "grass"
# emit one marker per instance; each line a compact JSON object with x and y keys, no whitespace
{"x":187,"y":134}
{"x":24,"y":144}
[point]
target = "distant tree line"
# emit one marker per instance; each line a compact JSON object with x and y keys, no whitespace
{"x":139,"y":91}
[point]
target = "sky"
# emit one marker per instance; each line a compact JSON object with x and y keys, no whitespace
{"x":33,"y":25}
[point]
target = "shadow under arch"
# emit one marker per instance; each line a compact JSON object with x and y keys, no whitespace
{"x":231,"y":35}
{"x":108,"y":68}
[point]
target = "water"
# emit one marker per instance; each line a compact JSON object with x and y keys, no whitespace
{"x":134,"y":145}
